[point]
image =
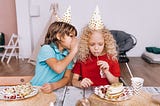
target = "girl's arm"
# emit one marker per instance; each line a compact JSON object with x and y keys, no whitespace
{"x":85,"y":82}
{"x":49,"y":87}
{"x":111,"y":77}
{"x":104,"y":66}
{"x":75,"y":80}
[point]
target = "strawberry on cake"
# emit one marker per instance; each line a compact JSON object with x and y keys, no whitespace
{"x":17,"y":92}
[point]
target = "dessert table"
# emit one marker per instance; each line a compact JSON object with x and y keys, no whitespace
{"x":144,"y":99}
{"x":69,"y":96}
{"x":74,"y":94}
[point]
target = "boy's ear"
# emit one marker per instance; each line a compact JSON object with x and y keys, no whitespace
{"x":58,"y":36}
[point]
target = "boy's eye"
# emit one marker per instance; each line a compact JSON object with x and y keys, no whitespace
{"x":71,"y":35}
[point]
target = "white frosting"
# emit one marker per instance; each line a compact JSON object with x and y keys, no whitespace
{"x":115,"y":89}
{"x":19,"y":91}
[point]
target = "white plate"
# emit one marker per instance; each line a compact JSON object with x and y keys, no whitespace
{"x":127,"y":93}
{"x":33,"y":93}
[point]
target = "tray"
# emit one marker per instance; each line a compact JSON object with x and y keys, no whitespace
{"x":127,"y":93}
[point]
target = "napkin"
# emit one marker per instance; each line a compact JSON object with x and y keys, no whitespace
{"x":156,"y":98}
{"x":51,"y":104}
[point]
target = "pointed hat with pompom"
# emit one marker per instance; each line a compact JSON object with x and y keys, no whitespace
{"x":96,"y":21}
{"x":66,"y":17}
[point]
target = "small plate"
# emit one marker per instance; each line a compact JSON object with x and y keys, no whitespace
{"x":3,"y":95}
{"x":101,"y":92}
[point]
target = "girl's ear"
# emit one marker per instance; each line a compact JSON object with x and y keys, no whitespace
{"x":58,"y":36}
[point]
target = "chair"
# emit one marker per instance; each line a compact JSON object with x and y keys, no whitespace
{"x":10,"y":49}
{"x":125,"y":42}
{"x":2,"y":41}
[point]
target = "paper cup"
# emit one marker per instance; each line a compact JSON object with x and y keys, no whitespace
{"x":137,"y":84}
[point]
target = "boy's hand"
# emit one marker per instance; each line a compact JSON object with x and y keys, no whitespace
{"x":74,"y":45}
{"x":46,"y":88}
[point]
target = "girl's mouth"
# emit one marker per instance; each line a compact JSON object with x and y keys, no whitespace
{"x":96,"y":53}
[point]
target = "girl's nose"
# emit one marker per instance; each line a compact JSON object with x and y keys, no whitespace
{"x":96,"y":47}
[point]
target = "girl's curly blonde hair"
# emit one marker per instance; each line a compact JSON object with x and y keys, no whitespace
{"x":110,"y":45}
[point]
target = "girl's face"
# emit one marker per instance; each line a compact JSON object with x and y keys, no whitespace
{"x":65,"y":42}
{"x":96,"y":44}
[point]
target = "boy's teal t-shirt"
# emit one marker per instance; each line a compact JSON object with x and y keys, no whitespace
{"x":43,"y":73}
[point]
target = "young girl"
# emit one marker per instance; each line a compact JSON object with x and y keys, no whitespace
{"x":96,"y":59}
{"x":54,"y":61}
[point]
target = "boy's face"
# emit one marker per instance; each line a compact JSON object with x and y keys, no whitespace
{"x":96,"y":44}
{"x":66,"y":40}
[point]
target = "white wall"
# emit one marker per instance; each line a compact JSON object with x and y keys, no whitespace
{"x":138,"y":17}
{"x":24,"y":28}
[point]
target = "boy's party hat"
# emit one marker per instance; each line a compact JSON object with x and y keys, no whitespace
{"x":96,"y":20}
{"x":66,"y":17}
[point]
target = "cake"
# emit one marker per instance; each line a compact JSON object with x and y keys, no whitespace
{"x":18,"y":91}
{"x":101,"y":91}
{"x":114,"y":91}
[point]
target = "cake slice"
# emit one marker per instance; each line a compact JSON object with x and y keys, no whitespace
{"x":114,"y":91}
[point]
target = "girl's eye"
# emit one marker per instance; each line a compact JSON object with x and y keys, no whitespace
{"x":92,"y":44}
{"x":100,"y":44}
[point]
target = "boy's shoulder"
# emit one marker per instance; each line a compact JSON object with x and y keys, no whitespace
{"x":46,"y":46}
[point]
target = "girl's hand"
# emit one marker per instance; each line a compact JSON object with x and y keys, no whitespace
{"x":86,"y":82}
{"x":103,"y":65}
{"x":47,"y":88}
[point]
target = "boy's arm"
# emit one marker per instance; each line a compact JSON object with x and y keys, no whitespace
{"x":59,"y":65}
{"x":49,"y":87}
{"x":64,"y":81}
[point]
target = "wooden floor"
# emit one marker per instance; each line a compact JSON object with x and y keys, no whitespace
{"x":16,"y":67}
{"x":139,"y":68}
